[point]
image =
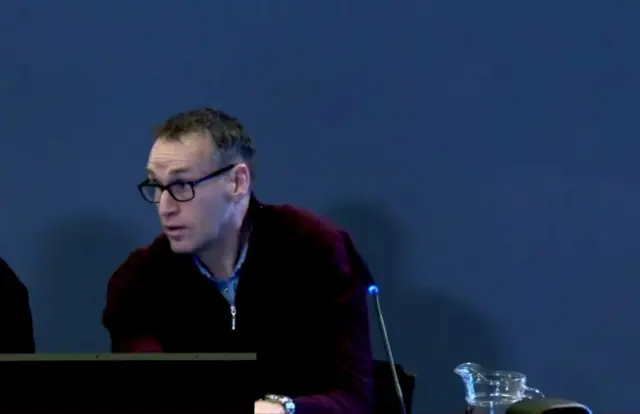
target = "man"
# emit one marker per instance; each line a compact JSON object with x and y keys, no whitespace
{"x":16,"y":325}
{"x":230,"y":274}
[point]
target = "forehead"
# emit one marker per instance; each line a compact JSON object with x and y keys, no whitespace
{"x":192,"y":152}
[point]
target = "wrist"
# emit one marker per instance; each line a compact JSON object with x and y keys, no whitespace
{"x":286,"y":402}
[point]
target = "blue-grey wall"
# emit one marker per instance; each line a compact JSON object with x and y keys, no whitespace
{"x":483,"y":155}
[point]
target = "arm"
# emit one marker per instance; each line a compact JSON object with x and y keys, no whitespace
{"x":352,"y":390}
{"x":127,"y":314}
{"x":16,"y":324}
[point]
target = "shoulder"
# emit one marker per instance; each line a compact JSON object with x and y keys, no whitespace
{"x":302,"y":228}
{"x":136,"y":270}
{"x":9,"y":280}
{"x":318,"y":242}
{"x":8,"y":277}
{"x":6,"y":273}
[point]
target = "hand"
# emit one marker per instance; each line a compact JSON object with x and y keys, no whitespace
{"x":265,"y":407}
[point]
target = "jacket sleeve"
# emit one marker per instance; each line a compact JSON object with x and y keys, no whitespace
{"x":352,"y":390}
{"x":126,"y":313}
{"x":16,"y":324}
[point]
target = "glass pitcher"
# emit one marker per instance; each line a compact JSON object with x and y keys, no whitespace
{"x":491,"y":392}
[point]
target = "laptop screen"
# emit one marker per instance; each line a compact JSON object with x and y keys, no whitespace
{"x":167,"y":383}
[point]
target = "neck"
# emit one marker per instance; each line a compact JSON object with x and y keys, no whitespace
{"x":221,"y":257}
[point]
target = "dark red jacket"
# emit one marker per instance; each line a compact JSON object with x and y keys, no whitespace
{"x":16,"y":325}
{"x":301,"y":304}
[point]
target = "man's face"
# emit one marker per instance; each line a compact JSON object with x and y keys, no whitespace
{"x":191,"y":226}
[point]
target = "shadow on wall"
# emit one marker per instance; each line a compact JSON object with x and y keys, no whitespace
{"x":78,"y":255}
{"x":431,"y":332}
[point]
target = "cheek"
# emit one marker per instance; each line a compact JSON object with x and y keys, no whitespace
{"x":207,"y":212}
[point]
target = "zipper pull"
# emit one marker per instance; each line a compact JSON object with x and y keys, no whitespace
{"x":233,"y":317}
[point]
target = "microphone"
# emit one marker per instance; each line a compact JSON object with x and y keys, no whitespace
{"x":374,"y":291}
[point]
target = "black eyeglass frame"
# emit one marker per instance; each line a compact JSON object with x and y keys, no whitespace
{"x":193,"y":184}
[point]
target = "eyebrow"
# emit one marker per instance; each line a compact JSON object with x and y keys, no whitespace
{"x":176,"y":171}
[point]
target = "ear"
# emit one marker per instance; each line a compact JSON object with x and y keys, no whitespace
{"x":241,"y":180}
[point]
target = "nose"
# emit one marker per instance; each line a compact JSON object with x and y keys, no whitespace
{"x":167,"y":206}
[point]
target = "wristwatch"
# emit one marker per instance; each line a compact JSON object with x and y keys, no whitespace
{"x":286,"y":402}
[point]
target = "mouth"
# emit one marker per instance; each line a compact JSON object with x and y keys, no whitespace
{"x":174,"y":230}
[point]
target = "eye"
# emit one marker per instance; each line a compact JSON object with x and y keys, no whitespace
{"x":180,"y":187}
{"x":179,"y":184}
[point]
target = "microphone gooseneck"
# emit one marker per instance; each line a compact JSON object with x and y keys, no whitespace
{"x":374,"y":292}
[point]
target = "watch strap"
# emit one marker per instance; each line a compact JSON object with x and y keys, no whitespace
{"x":286,"y":402}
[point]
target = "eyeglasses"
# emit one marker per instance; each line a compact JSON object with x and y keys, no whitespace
{"x":180,"y":191}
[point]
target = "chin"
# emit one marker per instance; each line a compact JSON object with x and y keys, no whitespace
{"x":182,"y":246}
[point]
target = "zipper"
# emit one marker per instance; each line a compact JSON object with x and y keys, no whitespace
{"x":233,"y":317}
